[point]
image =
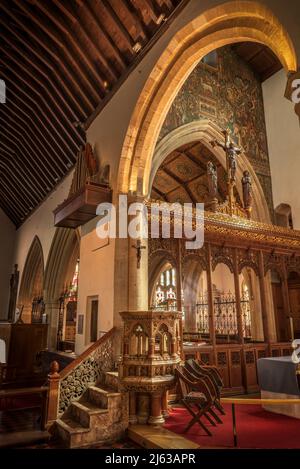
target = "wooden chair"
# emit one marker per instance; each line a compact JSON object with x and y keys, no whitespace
{"x":194,"y":401}
{"x":214,"y":376}
{"x":209,"y":390}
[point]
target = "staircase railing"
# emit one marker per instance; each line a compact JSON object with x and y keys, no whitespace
{"x":87,"y":369}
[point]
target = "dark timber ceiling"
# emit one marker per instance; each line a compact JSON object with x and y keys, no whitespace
{"x":62,"y":60}
{"x":259,"y":57}
{"x":182,"y":177}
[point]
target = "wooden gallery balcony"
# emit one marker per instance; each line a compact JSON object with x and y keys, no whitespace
{"x":80,"y":207}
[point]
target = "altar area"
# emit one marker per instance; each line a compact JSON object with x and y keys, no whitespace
{"x":279,"y":379}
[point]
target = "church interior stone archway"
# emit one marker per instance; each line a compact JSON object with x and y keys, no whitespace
{"x":31,"y":288}
{"x":59,"y":272}
{"x":226,"y":24}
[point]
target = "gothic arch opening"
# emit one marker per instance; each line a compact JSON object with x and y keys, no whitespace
{"x":62,"y":266}
{"x":229,"y":23}
{"x":30,"y":301}
{"x":179,"y":170}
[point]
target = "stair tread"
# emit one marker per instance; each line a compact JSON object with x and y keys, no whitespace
{"x":105,"y":390}
{"x":71,"y":425}
{"x":89,"y":406}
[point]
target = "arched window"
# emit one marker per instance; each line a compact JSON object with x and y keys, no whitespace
{"x":165,"y":291}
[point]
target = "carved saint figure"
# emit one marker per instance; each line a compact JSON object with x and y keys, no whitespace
{"x":231,"y":151}
{"x":14,"y":282}
{"x":212,"y":180}
{"x":247,"y":189}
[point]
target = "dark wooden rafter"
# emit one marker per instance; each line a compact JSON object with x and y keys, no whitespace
{"x":61,"y":61}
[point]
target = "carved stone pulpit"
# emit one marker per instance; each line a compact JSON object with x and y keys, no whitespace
{"x":152,"y":348}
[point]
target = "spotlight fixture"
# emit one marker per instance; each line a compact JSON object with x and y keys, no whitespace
{"x":137,"y":47}
{"x":161,"y":18}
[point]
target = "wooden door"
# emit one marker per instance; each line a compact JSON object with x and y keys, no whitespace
{"x":94,"y":320}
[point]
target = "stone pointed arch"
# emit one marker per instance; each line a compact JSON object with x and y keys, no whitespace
{"x":204,"y":131}
{"x":224,"y":24}
{"x":59,"y":270}
{"x":32,"y":279}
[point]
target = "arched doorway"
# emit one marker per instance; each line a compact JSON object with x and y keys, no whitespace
{"x":30,"y":301}
{"x":60,"y":287}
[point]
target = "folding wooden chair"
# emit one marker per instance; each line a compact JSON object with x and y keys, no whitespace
{"x":213,"y":375}
{"x":194,"y":401}
{"x":208,"y":389}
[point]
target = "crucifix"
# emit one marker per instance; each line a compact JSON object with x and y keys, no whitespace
{"x":232,"y":152}
{"x":138,"y":246}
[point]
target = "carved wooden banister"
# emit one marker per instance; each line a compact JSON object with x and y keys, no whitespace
{"x":87,"y":369}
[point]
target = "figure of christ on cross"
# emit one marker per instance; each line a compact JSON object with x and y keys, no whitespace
{"x":232,"y":152}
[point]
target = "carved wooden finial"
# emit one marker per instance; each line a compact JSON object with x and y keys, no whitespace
{"x":54,"y":368}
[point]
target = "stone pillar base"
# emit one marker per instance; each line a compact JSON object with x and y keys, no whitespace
{"x":156,"y":420}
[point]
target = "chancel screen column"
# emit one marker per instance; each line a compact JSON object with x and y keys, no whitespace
{"x":238,"y":297}
{"x":210,"y":301}
{"x":263,"y":297}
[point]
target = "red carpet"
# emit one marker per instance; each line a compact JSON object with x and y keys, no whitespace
{"x":256,"y":428}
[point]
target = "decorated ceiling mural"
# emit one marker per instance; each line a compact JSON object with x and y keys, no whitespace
{"x":226,"y":90}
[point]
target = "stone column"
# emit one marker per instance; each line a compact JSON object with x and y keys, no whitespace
{"x":52,"y":310}
{"x":263,"y":299}
{"x":210,"y":300}
{"x":143,"y":408}
{"x":179,"y":278}
{"x":137,"y":270}
{"x":156,"y":417}
{"x":132,"y":408}
{"x":164,"y":404}
{"x":238,"y":297}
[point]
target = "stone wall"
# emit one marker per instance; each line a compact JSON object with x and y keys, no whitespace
{"x":229,"y":93}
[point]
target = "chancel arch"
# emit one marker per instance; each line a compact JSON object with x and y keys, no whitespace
{"x":228,"y":23}
{"x":30,"y":300}
{"x":62,"y":266}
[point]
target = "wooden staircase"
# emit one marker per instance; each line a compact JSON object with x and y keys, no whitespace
{"x":86,"y":406}
{"x":100,"y":416}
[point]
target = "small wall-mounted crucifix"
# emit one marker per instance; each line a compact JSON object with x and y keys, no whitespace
{"x":138,"y":246}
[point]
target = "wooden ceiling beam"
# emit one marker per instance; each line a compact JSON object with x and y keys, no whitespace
{"x":113,"y":15}
{"x":105,"y":33}
{"x":91,"y":45}
{"x":35,"y":137}
{"x":17,"y":38}
{"x":51,"y":154}
{"x":53,"y":53}
{"x":60,"y":45}
{"x":180,"y":183}
{"x":41,"y":117}
{"x":137,"y":19}
{"x":55,"y":110}
{"x":41,"y":76}
{"x":12,"y":183}
{"x":16,"y":172}
{"x":23,"y":142}
{"x":11,"y":139}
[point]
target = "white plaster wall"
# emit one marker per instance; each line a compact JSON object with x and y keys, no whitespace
{"x":96,"y":278}
{"x":283,"y":132}
{"x":41,"y":224}
{"x":7,"y":241}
